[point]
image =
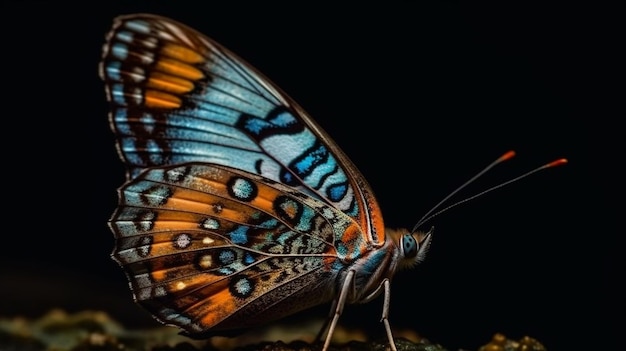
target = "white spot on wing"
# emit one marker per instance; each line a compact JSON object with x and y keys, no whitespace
{"x":147,"y":58}
{"x":209,"y":224}
{"x":150,"y":43}
{"x":138,"y":96}
{"x":138,"y":75}
{"x":206,"y":261}
{"x":183,"y":241}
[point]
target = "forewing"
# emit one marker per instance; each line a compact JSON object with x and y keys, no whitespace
{"x":177,"y":96}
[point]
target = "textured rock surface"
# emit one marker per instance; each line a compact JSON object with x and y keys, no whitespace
{"x":94,"y":330}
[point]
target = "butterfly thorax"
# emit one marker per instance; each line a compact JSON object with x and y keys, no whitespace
{"x":400,"y":250}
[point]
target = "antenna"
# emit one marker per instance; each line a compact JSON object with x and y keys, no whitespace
{"x":507,"y":156}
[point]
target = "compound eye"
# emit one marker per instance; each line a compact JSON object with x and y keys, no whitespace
{"x":409,"y":246}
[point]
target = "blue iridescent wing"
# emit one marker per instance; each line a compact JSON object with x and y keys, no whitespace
{"x":178,"y":96}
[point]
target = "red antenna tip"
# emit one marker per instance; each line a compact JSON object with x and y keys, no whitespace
{"x":558,"y":162}
{"x":507,"y":156}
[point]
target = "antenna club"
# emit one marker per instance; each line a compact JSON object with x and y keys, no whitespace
{"x":558,"y":162}
{"x":507,"y":156}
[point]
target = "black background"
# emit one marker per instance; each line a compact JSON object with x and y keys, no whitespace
{"x":419,"y":96}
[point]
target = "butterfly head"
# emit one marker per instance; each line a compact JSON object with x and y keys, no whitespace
{"x":412,"y":246}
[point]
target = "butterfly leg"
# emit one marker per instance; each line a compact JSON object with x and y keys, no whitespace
{"x":338,"y":304}
{"x":385,"y":317}
{"x":384,"y":287}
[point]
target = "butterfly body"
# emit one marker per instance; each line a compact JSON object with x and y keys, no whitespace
{"x":239,"y":209}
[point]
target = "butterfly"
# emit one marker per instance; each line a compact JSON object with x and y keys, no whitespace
{"x":238,"y":208}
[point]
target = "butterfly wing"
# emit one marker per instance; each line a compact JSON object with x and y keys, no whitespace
{"x":200,"y":242}
{"x":199,"y":129}
{"x":178,"y":96}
